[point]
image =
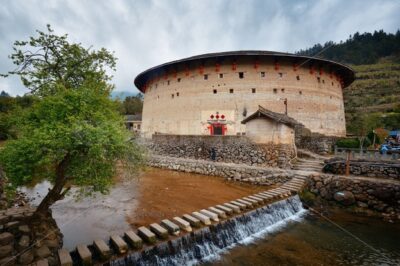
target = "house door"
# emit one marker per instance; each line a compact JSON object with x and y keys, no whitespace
{"x":217,"y":129}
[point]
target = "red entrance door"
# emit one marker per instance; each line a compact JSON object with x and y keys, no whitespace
{"x":217,"y":129}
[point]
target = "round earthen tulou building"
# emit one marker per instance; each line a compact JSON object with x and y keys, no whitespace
{"x":212,"y":94}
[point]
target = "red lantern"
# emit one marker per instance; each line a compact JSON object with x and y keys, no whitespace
{"x":295,"y":67}
{"x":321,"y":71}
{"x":256,"y":65}
{"x":234,"y":66}
{"x":311,"y":70}
{"x":217,"y":67}
{"x":222,"y":117}
{"x":201,"y":69}
{"x":276,"y":66}
{"x":187,"y":71}
{"x":212,"y":116}
{"x":217,"y":116}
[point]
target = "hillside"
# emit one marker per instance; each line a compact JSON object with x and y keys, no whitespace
{"x":375,"y":92}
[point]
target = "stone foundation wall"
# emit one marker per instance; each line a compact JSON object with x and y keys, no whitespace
{"x":318,"y":143}
{"x":229,"y":149}
{"x":364,"y":168}
{"x":251,"y":174}
{"x":368,"y":195}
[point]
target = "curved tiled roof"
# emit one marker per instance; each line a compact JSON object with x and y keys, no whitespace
{"x":345,"y":72}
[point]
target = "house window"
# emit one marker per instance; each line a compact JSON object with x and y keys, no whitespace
{"x":282,"y":90}
{"x":332,"y":83}
{"x":275,"y":91}
{"x":156,"y":85}
{"x":241,"y":75}
{"x":138,"y":126}
{"x":177,"y":94}
{"x":298,"y":77}
{"x":215,"y":91}
{"x":280,"y":74}
{"x":300,"y":92}
{"x":319,"y":79}
{"x":179,"y":79}
{"x":172,"y":96}
{"x":323,"y":81}
{"x":262,"y":74}
{"x":206,"y":76}
{"x":221,"y":75}
{"x":230,"y":90}
{"x":253,"y":90}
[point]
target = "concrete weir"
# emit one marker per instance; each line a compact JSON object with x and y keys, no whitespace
{"x":191,"y":238}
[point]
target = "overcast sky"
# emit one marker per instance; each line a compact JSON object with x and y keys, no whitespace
{"x":150,"y":32}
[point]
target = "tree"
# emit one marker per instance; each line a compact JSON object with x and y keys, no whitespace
{"x":73,"y":134}
{"x":133,"y":104}
{"x":362,"y":124}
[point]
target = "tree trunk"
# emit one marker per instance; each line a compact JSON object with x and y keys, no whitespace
{"x":56,"y":192}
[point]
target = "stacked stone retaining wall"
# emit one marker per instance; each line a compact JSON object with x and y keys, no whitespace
{"x":244,"y":173}
{"x":380,"y":169}
{"x":368,"y":194}
{"x":229,"y":149}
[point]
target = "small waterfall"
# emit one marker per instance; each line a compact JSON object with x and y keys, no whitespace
{"x":208,"y":242}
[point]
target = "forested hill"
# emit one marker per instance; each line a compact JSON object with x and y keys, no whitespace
{"x":359,"y":49}
{"x":374,"y":97}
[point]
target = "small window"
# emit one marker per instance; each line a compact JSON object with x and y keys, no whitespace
{"x":319,"y":79}
{"x":323,"y":81}
{"x":262,"y":74}
{"x":230,"y":90}
{"x":241,"y":75}
{"x":282,"y":90}
{"x":298,"y":77}
{"x":205,"y":76}
{"x":300,"y":92}
{"x":253,"y":90}
{"x":179,"y":79}
{"x":332,"y":83}
{"x":275,"y":90}
{"x":172,"y":96}
{"x":221,"y":75}
{"x":177,"y":94}
{"x":156,"y":85}
{"x":215,"y":91}
{"x":168,"y":82}
{"x":280,"y":74}
{"x":330,"y":97}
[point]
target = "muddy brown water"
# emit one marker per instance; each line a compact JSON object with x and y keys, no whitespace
{"x":154,"y":195}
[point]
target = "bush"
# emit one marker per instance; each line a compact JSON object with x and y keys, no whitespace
{"x":348,"y":143}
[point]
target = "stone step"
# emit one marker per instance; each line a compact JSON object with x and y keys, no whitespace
{"x":221,"y":214}
{"x":266,"y":197}
{"x":119,"y":244}
{"x":225,"y":209}
{"x":233,"y":207}
{"x":255,"y":202}
{"x":102,"y":249}
{"x":240,"y":205}
{"x":247,"y":203}
{"x":172,"y":228}
{"x":211,"y":215}
{"x":147,"y":235}
{"x":258,"y":199}
{"x":204,"y":219}
{"x":64,"y":257}
{"x":192,"y":220}
{"x":160,"y":231}
{"x":133,"y":239}
{"x":184,"y":225}
{"x":84,"y":254}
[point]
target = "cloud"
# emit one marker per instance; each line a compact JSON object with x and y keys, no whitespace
{"x":147,"y":33}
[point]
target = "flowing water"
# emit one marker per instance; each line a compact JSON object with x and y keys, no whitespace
{"x":280,"y":234}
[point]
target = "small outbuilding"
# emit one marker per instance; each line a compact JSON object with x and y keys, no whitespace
{"x":265,"y":126}
{"x":133,"y":122}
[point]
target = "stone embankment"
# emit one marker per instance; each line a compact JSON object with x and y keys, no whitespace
{"x":379,"y":169}
{"x":228,"y":149}
{"x":381,"y":196}
{"x":146,"y":238}
{"x":238,"y":172}
{"x":23,"y":244}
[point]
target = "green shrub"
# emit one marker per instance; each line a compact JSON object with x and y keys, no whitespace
{"x":348,"y":143}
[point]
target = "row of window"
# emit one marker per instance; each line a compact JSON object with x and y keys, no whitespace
{"x":241,"y":76}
